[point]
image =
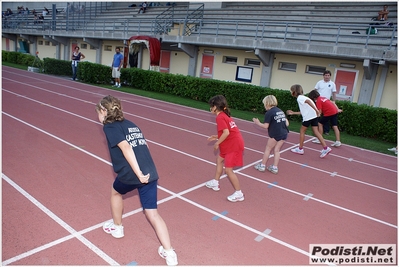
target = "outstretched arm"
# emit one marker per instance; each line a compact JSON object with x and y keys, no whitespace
{"x":263,"y":125}
{"x":290,"y":112}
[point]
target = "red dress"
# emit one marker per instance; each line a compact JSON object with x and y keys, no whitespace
{"x":232,"y":148}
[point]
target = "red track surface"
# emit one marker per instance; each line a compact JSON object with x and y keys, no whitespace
{"x":57,"y":180}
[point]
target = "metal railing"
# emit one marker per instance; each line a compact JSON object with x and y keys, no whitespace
{"x":193,"y":19}
{"x":354,"y":35}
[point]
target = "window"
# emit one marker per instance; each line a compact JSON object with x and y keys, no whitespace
{"x":40,"y":42}
{"x":252,"y":62}
{"x":230,"y":60}
{"x":287,"y":66}
{"x":92,"y":47}
{"x":46,"y":42}
{"x":315,"y":69}
{"x":84,"y":46}
{"x":107,"y":47}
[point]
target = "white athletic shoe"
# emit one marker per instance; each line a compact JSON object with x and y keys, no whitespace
{"x":169,"y":256}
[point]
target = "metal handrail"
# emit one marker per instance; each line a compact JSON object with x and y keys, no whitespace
{"x":331,"y":34}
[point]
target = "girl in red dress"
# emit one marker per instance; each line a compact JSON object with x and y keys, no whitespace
{"x":230,"y":144}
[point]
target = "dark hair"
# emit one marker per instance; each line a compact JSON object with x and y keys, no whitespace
{"x":326,"y":72}
{"x":113,"y":107}
{"x":77,"y":47}
{"x":296,"y":90}
{"x":220,"y":103}
{"x":313,"y":95}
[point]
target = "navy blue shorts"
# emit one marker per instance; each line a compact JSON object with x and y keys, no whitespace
{"x":281,"y":137}
{"x":314,"y":122}
{"x":333,"y":119}
{"x":147,"y":192}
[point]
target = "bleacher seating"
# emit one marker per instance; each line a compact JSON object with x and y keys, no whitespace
{"x":327,"y":23}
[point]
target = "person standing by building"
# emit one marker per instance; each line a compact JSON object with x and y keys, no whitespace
{"x":116,"y":67}
{"x":327,"y":89}
{"x":76,"y":57}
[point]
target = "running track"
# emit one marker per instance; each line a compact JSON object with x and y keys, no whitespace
{"x":57,"y":179}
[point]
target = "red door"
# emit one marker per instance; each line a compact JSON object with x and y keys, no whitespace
{"x":207,"y":66}
{"x":164,"y":64}
{"x":125,"y":55}
{"x":345,"y":82}
{"x":73,"y":48}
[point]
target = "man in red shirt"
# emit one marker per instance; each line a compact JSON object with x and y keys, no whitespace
{"x":330,"y":111}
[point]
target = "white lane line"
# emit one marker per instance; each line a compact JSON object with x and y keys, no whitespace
{"x":187,"y":154}
{"x":177,"y":114}
{"x":182,"y":129}
{"x":58,"y":220}
{"x":321,"y":201}
{"x":71,"y":145}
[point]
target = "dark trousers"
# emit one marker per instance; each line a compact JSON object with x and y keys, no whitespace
{"x":74,"y":71}
{"x":326,"y":128}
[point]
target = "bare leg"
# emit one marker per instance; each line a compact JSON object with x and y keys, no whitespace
{"x":320,"y":128}
{"x":319,"y":136}
{"x":116,"y":207}
{"x":219,"y":167}
{"x":279,"y":144}
{"x":159,"y":226}
{"x":302,"y":132}
{"x":269,"y":146}
{"x":337,"y":133}
{"x":233,"y":178}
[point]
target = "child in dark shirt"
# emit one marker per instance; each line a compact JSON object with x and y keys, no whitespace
{"x":277,"y":125}
{"x":135,"y":169}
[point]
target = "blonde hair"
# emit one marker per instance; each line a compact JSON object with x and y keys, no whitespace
{"x":113,"y":107}
{"x":270,"y":100}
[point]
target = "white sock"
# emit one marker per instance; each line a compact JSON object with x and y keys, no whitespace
{"x":239,"y":192}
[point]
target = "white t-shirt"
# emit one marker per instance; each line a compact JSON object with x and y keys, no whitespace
{"x":325,"y":89}
{"x":307,"y":111}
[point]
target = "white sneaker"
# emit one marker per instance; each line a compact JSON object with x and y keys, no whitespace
{"x":260,"y":167}
{"x":169,"y":256}
{"x":392,"y":149}
{"x":272,"y":169}
{"x":115,"y":230}
{"x":336,"y":144}
{"x":236,"y":197}
{"x":297,"y":151}
{"x":325,"y":152}
{"x":213,"y":184}
{"x":316,"y":141}
{"x":118,"y":86}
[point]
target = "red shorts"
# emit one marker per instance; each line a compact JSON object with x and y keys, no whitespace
{"x":233,"y":159}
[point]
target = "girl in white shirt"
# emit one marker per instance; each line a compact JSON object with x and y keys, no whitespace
{"x":310,"y":115}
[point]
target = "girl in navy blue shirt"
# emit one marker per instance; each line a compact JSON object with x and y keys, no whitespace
{"x":277,"y":125}
{"x":135,"y":169}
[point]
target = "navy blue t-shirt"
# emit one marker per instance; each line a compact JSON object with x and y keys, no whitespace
{"x":276,"y":119}
{"x":118,"y":131}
